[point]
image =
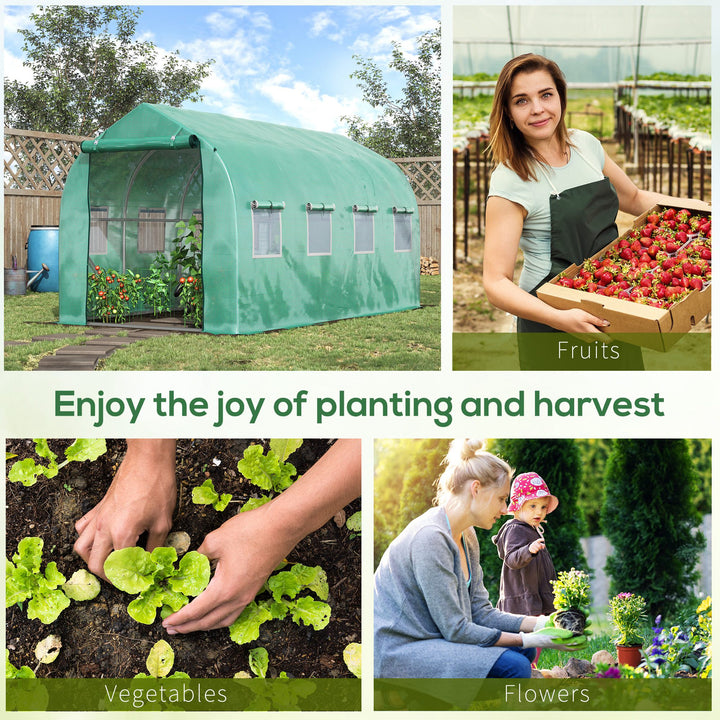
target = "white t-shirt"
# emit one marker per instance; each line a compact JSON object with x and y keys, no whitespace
{"x":587,"y":158}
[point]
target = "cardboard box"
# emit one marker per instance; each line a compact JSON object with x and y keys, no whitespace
{"x":656,"y":328}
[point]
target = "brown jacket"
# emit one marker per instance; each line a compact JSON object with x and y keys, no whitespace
{"x":525,"y":580}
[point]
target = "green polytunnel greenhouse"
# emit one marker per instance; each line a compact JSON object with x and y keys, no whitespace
{"x":297,"y":226}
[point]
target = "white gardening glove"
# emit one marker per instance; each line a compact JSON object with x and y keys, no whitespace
{"x":556,"y":638}
{"x":542,"y":621}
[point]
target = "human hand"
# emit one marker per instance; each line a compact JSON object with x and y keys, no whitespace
{"x":247,"y":548}
{"x":537,"y":546}
{"x":141,"y":498}
{"x":579,"y":322}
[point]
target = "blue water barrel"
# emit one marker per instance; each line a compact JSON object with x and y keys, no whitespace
{"x":42,"y":248}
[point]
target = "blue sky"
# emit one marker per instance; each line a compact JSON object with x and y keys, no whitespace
{"x":279,"y":63}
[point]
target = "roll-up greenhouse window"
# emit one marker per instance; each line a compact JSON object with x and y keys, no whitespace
{"x":98,"y":230}
{"x":364,"y":222}
{"x":267,"y":228}
{"x":319,"y":228}
{"x":151,"y":230}
{"x":402,"y":222}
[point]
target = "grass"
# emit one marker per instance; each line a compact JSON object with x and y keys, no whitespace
{"x":408,"y":340}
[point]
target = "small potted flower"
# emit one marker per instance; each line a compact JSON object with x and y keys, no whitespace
{"x":627,"y":614}
{"x":571,"y":597}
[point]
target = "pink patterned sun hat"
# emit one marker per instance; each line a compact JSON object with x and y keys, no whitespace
{"x":526,"y":486}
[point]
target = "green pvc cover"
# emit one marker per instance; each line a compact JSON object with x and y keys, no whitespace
{"x":270,"y":259}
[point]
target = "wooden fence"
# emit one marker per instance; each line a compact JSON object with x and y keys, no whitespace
{"x":424,"y":176}
{"x":36,"y":166}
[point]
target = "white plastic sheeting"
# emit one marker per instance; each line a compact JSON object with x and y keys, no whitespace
{"x":591,"y":43}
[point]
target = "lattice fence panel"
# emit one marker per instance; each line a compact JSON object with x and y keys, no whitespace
{"x":38,"y":162}
{"x":424,"y":176}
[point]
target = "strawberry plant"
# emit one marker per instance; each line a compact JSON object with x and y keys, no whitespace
{"x":656,"y":264}
{"x":284,"y":588}
{"x":25,"y":581}
{"x":27,"y":471}
{"x":156,"y":580}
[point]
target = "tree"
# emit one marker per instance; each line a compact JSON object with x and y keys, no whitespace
{"x":650,"y":519}
{"x":88,"y":71}
{"x":410,"y":125}
{"x":405,"y":472}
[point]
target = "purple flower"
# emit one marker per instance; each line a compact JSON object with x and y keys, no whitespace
{"x":611,"y":672}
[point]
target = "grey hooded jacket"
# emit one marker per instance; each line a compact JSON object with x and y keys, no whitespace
{"x":428,"y":622}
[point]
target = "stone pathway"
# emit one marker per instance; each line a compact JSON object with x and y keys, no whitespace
{"x":86,"y":356}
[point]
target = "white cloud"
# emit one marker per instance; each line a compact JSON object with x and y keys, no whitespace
{"x":311,"y":108}
{"x":13,"y":69}
{"x":320,"y":22}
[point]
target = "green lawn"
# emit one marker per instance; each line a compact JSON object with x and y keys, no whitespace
{"x":408,"y":340}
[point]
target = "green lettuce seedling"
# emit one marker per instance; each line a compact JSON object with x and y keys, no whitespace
{"x":12,"y":672}
{"x":25,"y":581}
{"x":159,"y":662}
{"x":154,"y":576}
{"x":27,"y":471}
{"x":285,"y":587}
{"x":268,"y":472}
{"x":206,"y":494}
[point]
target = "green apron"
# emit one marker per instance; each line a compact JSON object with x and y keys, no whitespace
{"x":582,"y":222}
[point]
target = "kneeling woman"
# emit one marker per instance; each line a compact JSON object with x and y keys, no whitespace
{"x":433,"y":616}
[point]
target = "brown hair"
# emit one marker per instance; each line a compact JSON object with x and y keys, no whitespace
{"x":507,"y":144}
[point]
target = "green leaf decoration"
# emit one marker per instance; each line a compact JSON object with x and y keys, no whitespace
{"x":130,"y":569}
{"x":223,"y":502}
{"x":354,"y":522}
{"x":259,"y":661}
{"x":82,"y":449}
{"x":164,"y":559}
{"x":82,"y":585}
{"x":247,"y":627}
{"x":25,"y":472}
{"x":18,"y":584}
{"x":206,"y":494}
{"x":160,"y":659}
{"x":311,"y":612}
{"x":53,"y":576}
{"x":193,"y":574}
{"x":352,"y":657}
{"x":143,"y":608}
{"x":284,"y":448}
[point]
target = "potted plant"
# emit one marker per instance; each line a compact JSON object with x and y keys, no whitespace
{"x":627,"y":614}
{"x":571,"y":593}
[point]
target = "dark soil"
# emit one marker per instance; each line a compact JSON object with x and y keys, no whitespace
{"x":100,"y":640}
{"x":571,"y":619}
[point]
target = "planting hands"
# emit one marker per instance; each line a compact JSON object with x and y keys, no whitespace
{"x":141,"y":498}
{"x":556,"y":638}
{"x":249,"y":546}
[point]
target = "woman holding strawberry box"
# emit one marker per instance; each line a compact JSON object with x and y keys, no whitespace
{"x":554,"y":193}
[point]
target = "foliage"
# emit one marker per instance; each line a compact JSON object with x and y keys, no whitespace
{"x":159,"y":662}
{"x":674,"y":650}
{"x":259,"y":661}
{"x":206,"y":494}
{"x":408,"y":126}
{"x":12,"y":672}
{"x":693,"y":115}
{"x":627,"y":613}
{"x":285,"y":587}
{"x":27,"y":471}
{"x":89,"y":71}
{"x":154,"y":576}
{"x":25,"y":581}
{"x":649,"y":519}
{"x":113,"y":295}
{"x":672,"y":77}
{"x":187,"y":254}
{"x":352,"y":657}
{"x":405,"y":471}
{"x":82,"y":586}
{"x":571,"y":590}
